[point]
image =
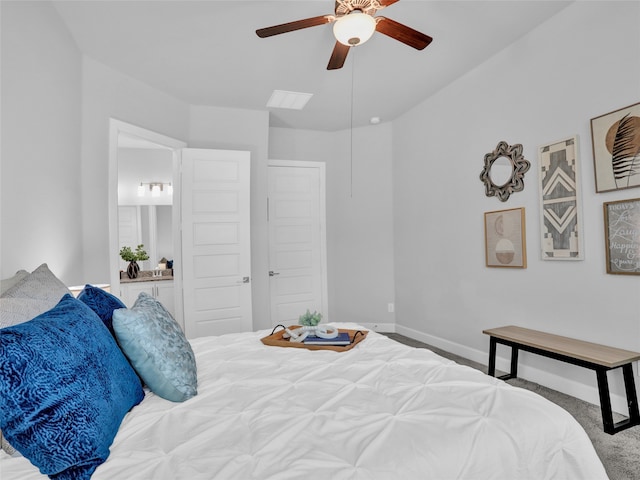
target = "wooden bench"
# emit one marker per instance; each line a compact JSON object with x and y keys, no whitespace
{"x":577,"y":352}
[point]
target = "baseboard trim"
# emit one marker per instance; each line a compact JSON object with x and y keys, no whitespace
{"x":579,"y":390}
{"x":380,"y":327}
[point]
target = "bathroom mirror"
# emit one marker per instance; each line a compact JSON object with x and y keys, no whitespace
{"x":503,"y":172}
{"x":145,"y":199}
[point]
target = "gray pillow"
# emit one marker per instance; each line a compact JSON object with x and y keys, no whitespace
{"x":35,"y":294}
{"x":4,"y":445}
{"x":27,"y":296}
{"x":19,"y":310}
{"x":7,"y":283}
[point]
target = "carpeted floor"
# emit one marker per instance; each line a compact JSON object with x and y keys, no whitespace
{"x":620,"y":453}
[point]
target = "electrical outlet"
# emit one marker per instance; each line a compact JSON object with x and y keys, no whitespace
{"x":390,"y":307}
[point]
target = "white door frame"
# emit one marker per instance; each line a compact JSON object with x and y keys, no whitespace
{"x":321,"y":166}
{"x":116,"y":127}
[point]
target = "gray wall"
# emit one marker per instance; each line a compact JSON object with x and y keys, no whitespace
{"x":547,"y":86}
{"x":359,"y":216}
{"x":41,"y":200}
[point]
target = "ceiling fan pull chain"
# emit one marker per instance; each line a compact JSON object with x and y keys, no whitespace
{"x":353,"y":68}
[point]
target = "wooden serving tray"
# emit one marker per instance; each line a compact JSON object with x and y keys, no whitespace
{"x":276,"y":340}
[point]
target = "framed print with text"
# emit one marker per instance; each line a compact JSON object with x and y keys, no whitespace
{"x":622,"y":236}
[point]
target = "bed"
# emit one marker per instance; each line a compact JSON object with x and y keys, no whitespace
{"x":381,"y":410}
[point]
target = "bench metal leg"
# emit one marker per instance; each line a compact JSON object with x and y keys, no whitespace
{"x":632,"y":397}
{"x":605,"y":401}
{"x":491,"y":370}
{"x":492,"y":357}
{"x":514,"y":363}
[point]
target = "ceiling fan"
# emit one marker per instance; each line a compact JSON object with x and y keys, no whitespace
{"x":354,"y":23}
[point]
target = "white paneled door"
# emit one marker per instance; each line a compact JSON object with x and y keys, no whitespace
{"x":216,"y":241}
{"x":297,"y":241}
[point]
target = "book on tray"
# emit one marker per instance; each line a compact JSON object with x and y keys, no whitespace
{"x":341,"y":339}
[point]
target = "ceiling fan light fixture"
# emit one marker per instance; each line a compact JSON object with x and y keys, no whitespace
{"x":354,"y":29}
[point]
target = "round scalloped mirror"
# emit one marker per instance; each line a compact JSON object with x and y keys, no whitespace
{"x":504,"y":170}
{"x":501,"y":171}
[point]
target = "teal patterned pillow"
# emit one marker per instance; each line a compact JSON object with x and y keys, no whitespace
{"x":156,"y":347}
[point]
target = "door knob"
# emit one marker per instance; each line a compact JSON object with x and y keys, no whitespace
{"x":273,"y":274}
{"x":244,"y":280}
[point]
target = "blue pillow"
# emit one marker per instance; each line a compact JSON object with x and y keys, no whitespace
{"x":65,"y":387}
{"x":156,"y":347}
{"x":101,"y":302}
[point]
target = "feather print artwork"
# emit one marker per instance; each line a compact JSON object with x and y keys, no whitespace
{"x":623,"y":142}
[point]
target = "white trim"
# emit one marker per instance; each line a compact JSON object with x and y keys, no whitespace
{"x":380,"y":327}
{"x":115,"y":128}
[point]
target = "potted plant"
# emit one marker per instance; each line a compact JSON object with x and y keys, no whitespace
{"x":310,"y":319}
{"x":133,"y":257}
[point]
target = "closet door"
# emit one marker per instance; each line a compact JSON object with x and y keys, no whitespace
{"x":297,"y":240}
{"x":216,"y":247}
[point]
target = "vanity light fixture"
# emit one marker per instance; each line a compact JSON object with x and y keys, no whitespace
{"x":155,"y":188}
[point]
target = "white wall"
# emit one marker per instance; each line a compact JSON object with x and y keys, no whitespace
{"x":40,"y":158}
{"x":107,"y":94}
{"x":144,"y":165}
{"x":359,"y":216}
{"x":580,"y":64}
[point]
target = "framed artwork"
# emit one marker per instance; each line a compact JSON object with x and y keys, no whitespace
{"x":622,"y":236}
{"x":615,"y":138}
{"x":504,"y":235}
{"x":560,"y":204}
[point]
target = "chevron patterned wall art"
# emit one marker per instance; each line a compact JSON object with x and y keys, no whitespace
{"x":561,"y":212}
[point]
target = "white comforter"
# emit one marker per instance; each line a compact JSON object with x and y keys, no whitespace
{"x":380,"y":411}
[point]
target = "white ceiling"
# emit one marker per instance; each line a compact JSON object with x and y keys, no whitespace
{"x":206,"y":52}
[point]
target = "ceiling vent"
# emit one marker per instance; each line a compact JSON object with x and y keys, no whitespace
{"x":290,"y":100}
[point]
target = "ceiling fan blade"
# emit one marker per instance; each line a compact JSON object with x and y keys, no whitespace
{"x":402,"y":33}
{"x":292,"y":26}
{"x":338,"y":56}
{"x":386,"y":3}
